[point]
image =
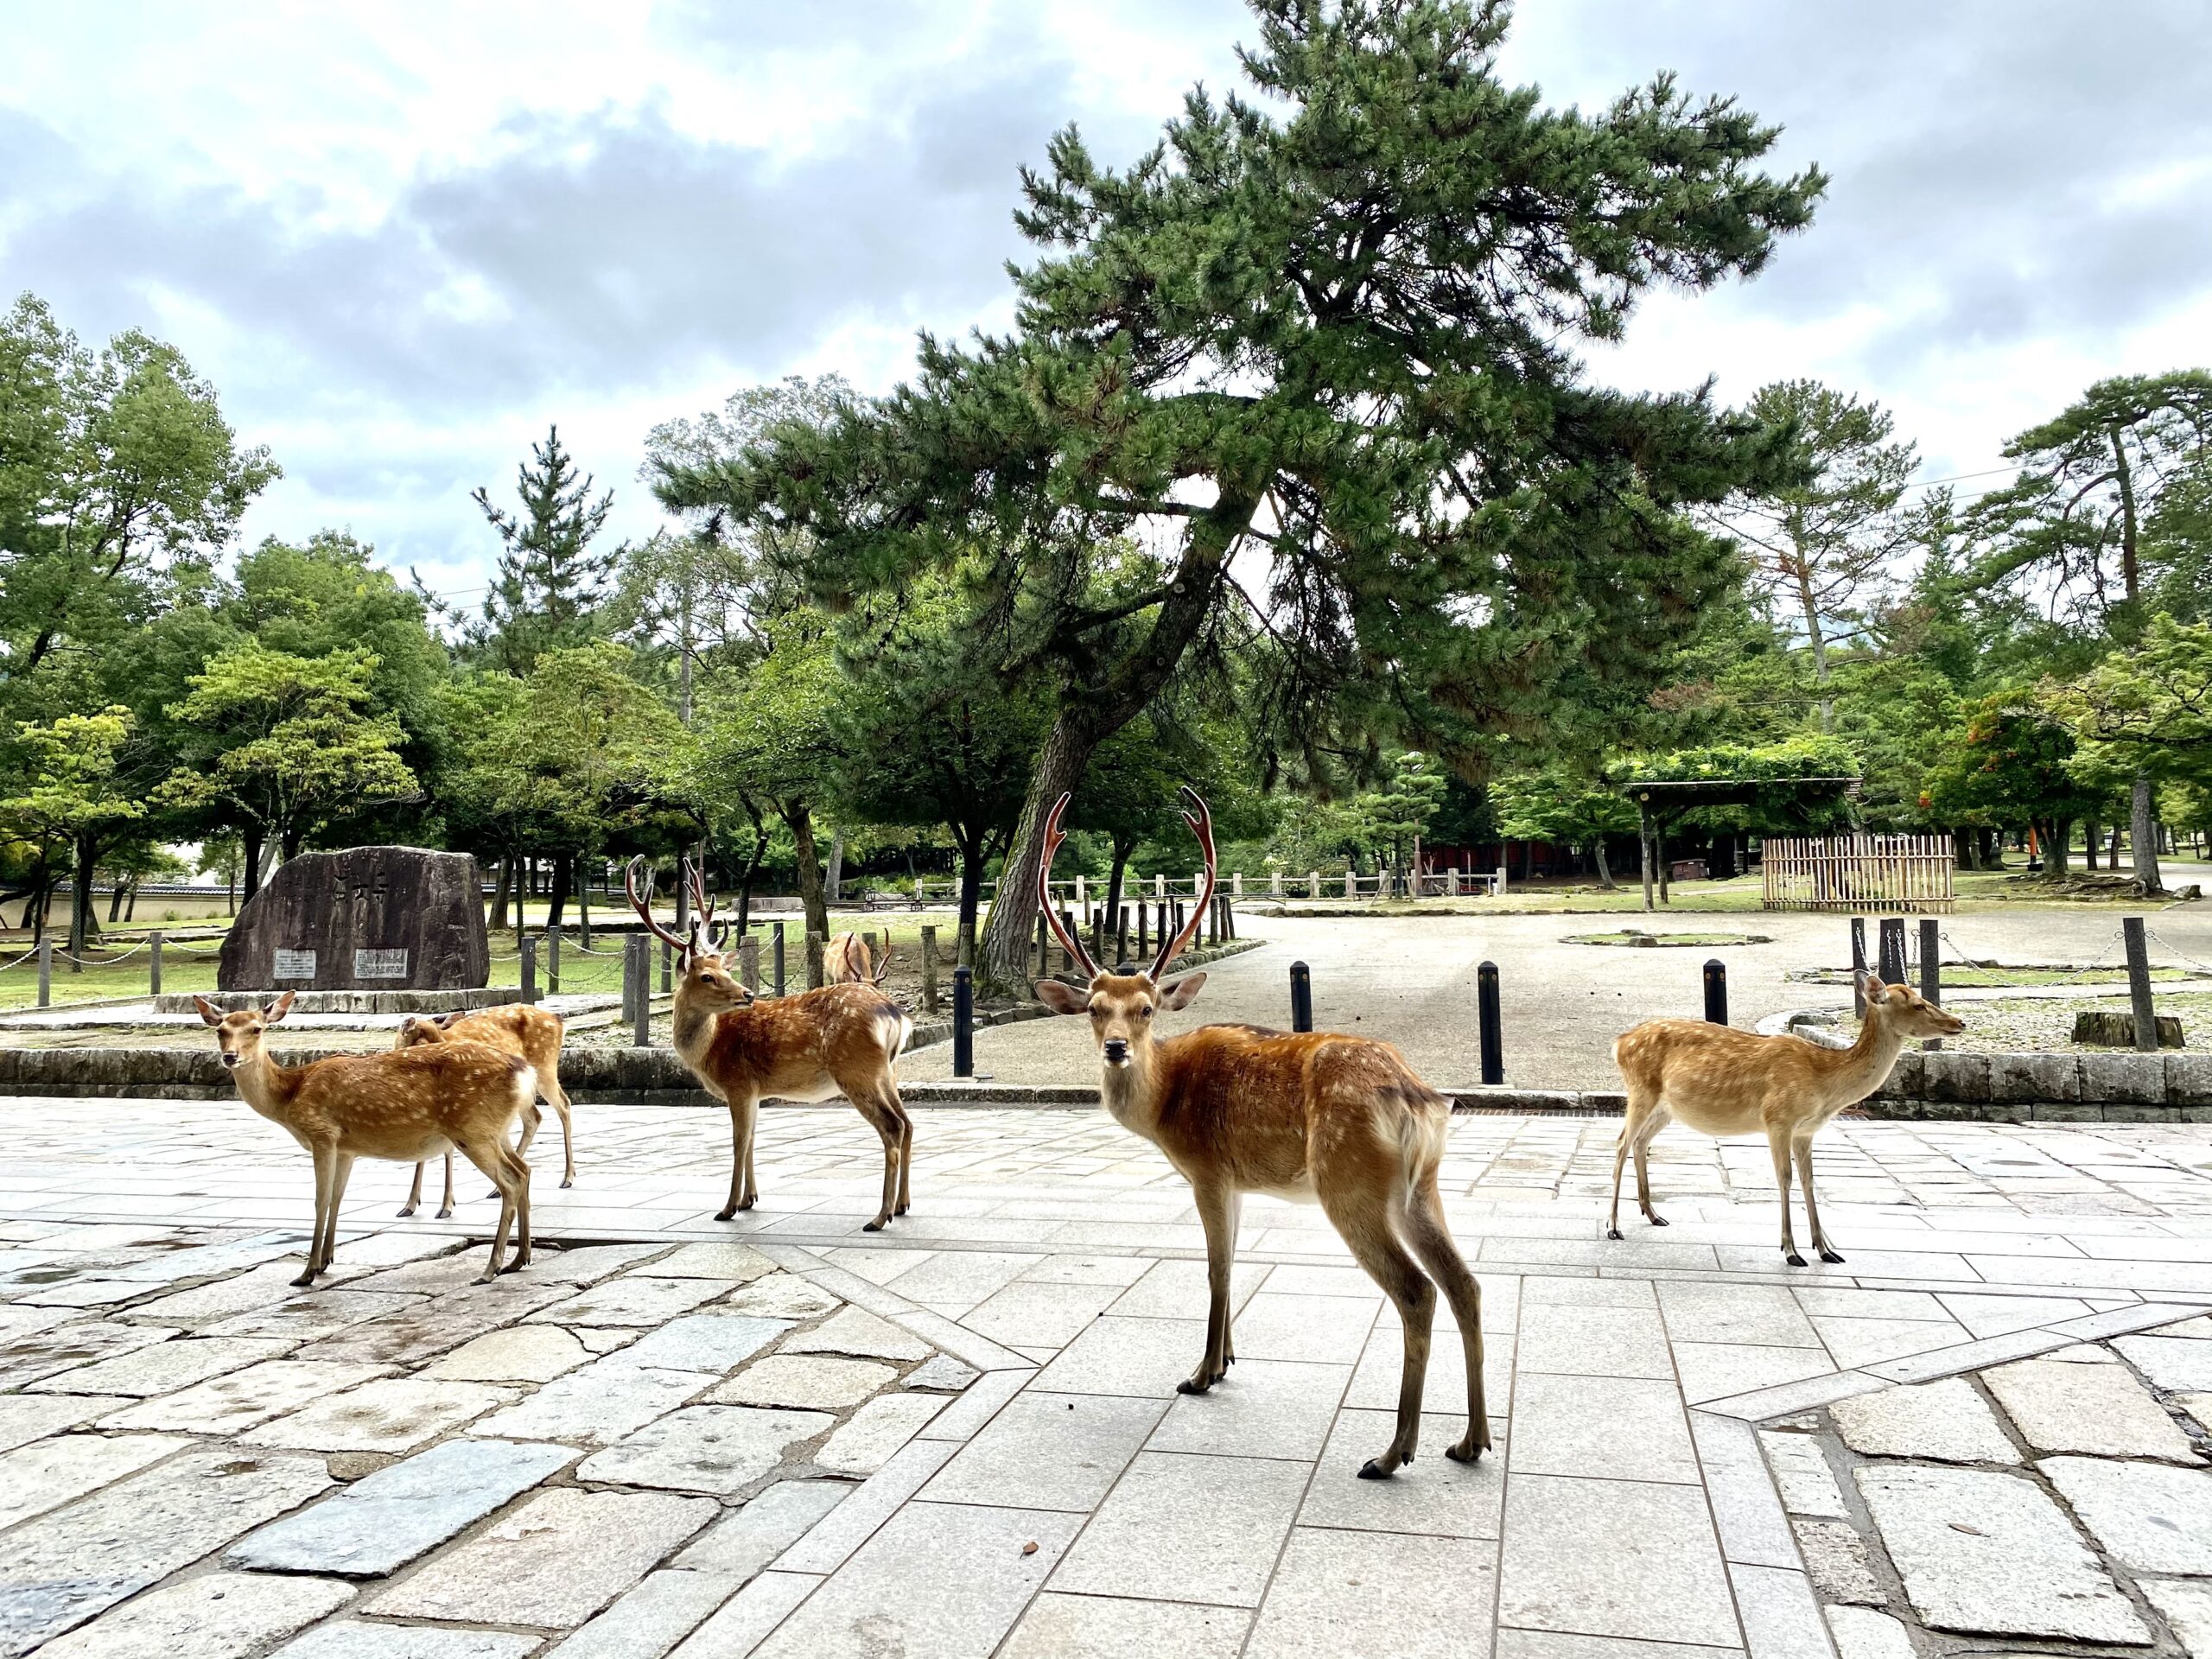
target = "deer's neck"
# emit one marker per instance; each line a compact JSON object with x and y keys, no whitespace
{"x":694,"y":1030}
{"x":267,"y":1087}
{"x":1864,"y":1066}
{"x":1131,"y":1092}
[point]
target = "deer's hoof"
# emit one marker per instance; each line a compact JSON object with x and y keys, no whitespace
{"x":876,"y":1226}
{"x":1373,"y":1470}
{"x":306,"y":1280}
{"x":1830,"y":1256}
{"x":515,"y":1266}
{"x":1655,"y":1218}
{"x":1191,"y":1385}
{"x":1794,"y":1259}
{"x":1613,"y":1232}
{"x":1464,"y":1452}
{"x":571,"y":1181}
{"x":406,"y":1209}
{"x":488,"y":1277}
{"x":724,"y":1215}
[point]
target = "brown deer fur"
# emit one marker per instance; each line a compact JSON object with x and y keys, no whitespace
{"x":815,"y":1046}
{"x":848,"y":961}
{"x":1721,"y":1081}
{"x":512,"y":1028}
{"x":406,"y":1105}
{"x":1342,"y":1121}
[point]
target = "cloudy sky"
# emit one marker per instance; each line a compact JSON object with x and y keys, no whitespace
{"x":402,"y":239}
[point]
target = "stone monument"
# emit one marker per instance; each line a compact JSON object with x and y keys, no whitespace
{"x":368,"y":919}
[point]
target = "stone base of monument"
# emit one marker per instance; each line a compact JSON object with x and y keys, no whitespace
{"x":348,"y":1001}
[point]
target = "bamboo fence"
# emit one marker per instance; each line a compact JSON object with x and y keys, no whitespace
{"x":1859,"y":873}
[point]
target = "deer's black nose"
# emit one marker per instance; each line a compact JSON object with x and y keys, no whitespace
{"x":1117,"y":1050}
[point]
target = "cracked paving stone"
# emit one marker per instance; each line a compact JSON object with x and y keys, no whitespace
{"x":714,"y":1449}
{"x":2174,"y":1364}
{"x":705,"y":1342}
{"x":1861,"y":1633}
{"x":383,"y":1520}
{"x":2188,"y":1611}
{"x":866,"y":1440}
{"x":598,"y":1404}
{"x":25,"y":1418}
{"x":856,"y":1331}
{"x":2150,"y":1517}
{"x":523,"y":1353}
{"x":2099,"y":1410}
{"x":1991,"y":1555}
{"x":215,"y":1616}
{"x":780,"y":1296}
{"x":62,"y":1569}
{"x":1946,"y":1421}
{"x":806,"y":1381}
{"x":48,"y":1473}
{"x":630,"y":1300}
{"x":350,"y":1638}
{"x":26,"y":1359}
{"x":163,"y":1367}
{"x":1837,"y":1563}
{"x":943,"y":1375}
{"x":395,"y":1414}
{"x":554,"y":1562}
{"x":740,"y":1262}
{"x":243,"y":1400}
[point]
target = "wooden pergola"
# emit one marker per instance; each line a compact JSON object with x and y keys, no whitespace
{"x":1662,"y":802}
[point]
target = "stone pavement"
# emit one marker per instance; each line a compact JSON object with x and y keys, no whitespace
{"x":784,"y":1436}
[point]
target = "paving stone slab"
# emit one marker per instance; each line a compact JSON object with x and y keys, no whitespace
{"x":64,"y":1347}
{"x":265,"y":1287}
{"x":2187,"y":1609}
{"x":1608,"y":1427}
{"x":1862,"y":1633}
{"x":1947,"y":1421}
{"x":808,"y":1381}
{"x":554,"y":1561}
{"x":48,"y":1473}
{"x":1555,"y":1644}
{"x":162,"y":1367}
{"x":1049,"y":1452}
{"x":780,"y":1296}
{"x":62,"y":1569}
{"x":26,"y":1417}
{"x":348,"y":1638}
{"x":524,"y":1353}
{"x":1183,"y":1527}
{"x":393,"y":1414}
{"x":241,"y":1400}
{"x":738,"y":1262}
{"x":1117,"y":1627}
{"x":1413,"y":1598}
{"x":314,"y":1315}
{"x":380,"y":1523}
{"x":1618,"y":1558}
{"x":215,"y":1616}
{"x":943,"y":1375}
{"x":1781,"y":1619}
{"x":705,"y":1342}
{"x":630,"y":1299}
{"x":646,"y":1622}
{"x":747,"y":1617}
{"x":2099,"y":1410}
{"x":2172,"y":1363}
{"x":745,"y":1541}
{"x":1802,"y":1474}
{"x":1836,"y":1560}
{"x":718,"y":1449}
{"x":939,"y":1580}
{"x":596,"y":1404}
{"x":860,"y":1334}
{"x":439,"y":1326}
{"x":587,"y":1264}
{"x":1991,"y":1555}
{"x":871,"y":1436}
{"x":2150,"y":1517}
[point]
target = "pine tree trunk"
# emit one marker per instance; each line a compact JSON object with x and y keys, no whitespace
{"x":1114,"y":880}
{"x":114,"y":900}
{"x":833,"y":878}
{"x":1003,"y":964}
{"x":811,"y":897}
{"x":2143,"y":831}
{"x":130,"y":910}
{"x":81,"y":925}
{"x":583,"y":902}
{"x":505,"y":879}
{"x":1598,"y":858}
{"x":2055,"y":852}
{"x":251,"y":840}
{"x":557,"y":897}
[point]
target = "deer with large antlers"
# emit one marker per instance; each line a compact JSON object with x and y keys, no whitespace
{"x":815,"y":1046}
{"x":405,"y":1105}
{"x":846,"y":962}
{"x":1725,"y":1082}
{"x":514,"y":1028}
{"x":1312,"y":1115}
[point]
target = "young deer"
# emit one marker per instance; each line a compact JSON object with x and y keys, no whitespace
{"x":1724,"y":1082}
{"x":838,"y":1039}
{"x":1238,"y":1110}
{"x":512,"y":1028}
{"x":846,"y":962}
{"x":405,"y":1105}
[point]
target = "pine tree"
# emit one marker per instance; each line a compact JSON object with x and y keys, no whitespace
{"x":550,"y":584}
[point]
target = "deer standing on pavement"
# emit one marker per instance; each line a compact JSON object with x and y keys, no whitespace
{"x":815,"y":1046}
{"x":1720,"y":1081}
{"x":512,"y":1028}
{"x":847,"y":962}
{"x":405,"y":1105}
{"x":1312,"y":1115}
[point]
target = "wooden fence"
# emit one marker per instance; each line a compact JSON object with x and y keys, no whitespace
{"x":1861,"y":872}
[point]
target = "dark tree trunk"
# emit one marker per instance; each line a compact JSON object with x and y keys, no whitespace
{"x":130,"y":910}
{"x":557,"y":889}
{"x":1003,"y":962}
{"x":81,"y":925}
{"x":289,"y":845}
{"x":583,"y":902}
{"x":115,"y":899}
{"x":2143,"y":832}
{"x":499,"y":886}
{"x":1597,"y":859}
{"x":250,"y":842}
{"x":800,"y":821}
{"x":1115,"y":878}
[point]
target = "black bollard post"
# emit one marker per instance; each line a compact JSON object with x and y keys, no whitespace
{"x":1931,"y":970}
{"x":963,"y":1021}
{"x":1301,"y":997}
{"x":553,"y":960}
{"x":1121,"y":933}
{"x":1493,"y":1023}
{"x":1893,"y":971}
{"x":1144,"y":929}
{"x":1716,"y":992}
{"x":2138,"y":984}
{"x":1858,"y":965}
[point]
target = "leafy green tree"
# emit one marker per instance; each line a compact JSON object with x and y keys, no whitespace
{"x":286,"y":746}
{"x":1399,"y":813}
{"x":1332,"y":332}
{"x":2014,"y":765}
{"x":76,"y":798}
{"x":1823,"y":547}
{"x":550,"y":584}
{"x":1564,"y":808}
{"x":2148,"y":710}
{"x":118,"y":480}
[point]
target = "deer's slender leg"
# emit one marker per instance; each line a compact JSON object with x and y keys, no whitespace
{"x":341,"y":1172}
{"x":1804,"y":1151}
{"x":1217,"y":1207}
{"x":885,"y":1121}
{"x":445,"y":1206}
{"x":1646,"y":1135}
{"x":414,"y":1193}
{"x":558,"y":1097}
{"x":531,"y":1117}
{"x":1640,"y":1103}
{"x":744,"y":1110}
{"x":325,"y":1163}
{"x":1364,"y":1221}
{"x":1229,"y":1318}
{"x":905,"y":1151}
{"x":1432,"y":1243}
{"x":486,"y":1154}
{"x":518,"y":1173}
{"x":1777,"y":1139}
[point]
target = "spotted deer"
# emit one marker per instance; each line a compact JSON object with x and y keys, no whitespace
{"x":1721,"y":1081}
{"x":514,"y":1028}
{"x":1342,"y":1121}
{"x":405,"y":1105}
{"x":815,"y":1046}
{"x":847,"y":962}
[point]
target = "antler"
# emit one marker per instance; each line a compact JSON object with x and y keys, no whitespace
{"x":1201,"y":822}
{"x":1069,"y":942}
{"x":644,"y":909}
{"x":702,"y":911}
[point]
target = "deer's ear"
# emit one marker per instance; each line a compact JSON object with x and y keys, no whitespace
{"x":278,"y":1009}
{"x":1063,"y":998}
{"x":445,"y":1021}
{"x":208,"y":1010}
{"x":1182,"y":992}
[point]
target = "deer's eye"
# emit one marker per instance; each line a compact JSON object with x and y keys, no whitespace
{"x":1146,"y":1011}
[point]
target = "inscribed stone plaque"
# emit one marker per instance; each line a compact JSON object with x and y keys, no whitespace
{"x":365,"y":918}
